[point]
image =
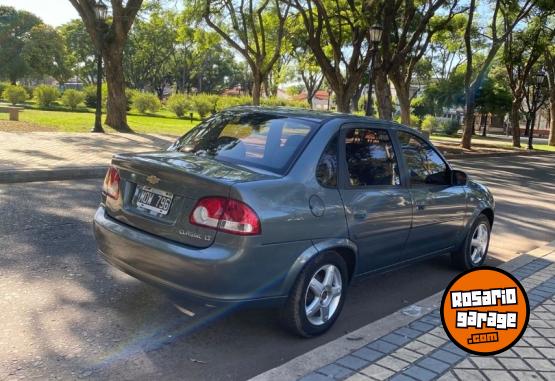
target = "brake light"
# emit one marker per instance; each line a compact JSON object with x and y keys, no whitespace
{"x":225,"y":214}
{"x":110,"y":187}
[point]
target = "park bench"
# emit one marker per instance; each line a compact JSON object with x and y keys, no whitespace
{"x":13,"y":111}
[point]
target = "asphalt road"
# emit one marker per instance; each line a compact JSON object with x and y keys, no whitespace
{"x":65,"y":314}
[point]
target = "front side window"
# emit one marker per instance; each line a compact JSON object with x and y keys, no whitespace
{"x":370,"y":158}
{"x":424,"y":163}
{"x":260,"y":140}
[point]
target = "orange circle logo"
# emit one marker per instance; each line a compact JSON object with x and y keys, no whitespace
{"x":485,"y":311}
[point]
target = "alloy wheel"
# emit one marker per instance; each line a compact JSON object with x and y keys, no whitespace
{"x":323,"y":294}
{"x":479,"y":243}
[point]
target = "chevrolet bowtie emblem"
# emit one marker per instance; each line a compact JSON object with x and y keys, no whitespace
{"x":153,"y":179}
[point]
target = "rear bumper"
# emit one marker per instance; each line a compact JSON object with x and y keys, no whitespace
{"x":217,"y":275}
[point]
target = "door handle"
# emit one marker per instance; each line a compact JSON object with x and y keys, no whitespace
{"x":360,"y":215}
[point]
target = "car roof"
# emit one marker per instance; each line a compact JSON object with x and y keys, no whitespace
{"x":319,"y":116}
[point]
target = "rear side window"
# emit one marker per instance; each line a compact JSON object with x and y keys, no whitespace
{"x":424,"y":163}
{"x":326,"y":172}
{"x":264,"y":141}
{"x":370,"y":158}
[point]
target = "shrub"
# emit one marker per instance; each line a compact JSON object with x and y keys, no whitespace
{"x":179,"y":104}
{"x":275,"y":101}
{"x":3,"y":86}
{"x":14,"y":94}
{"x":448,"y":126}
{"x":414,"y":120}
{"x":430,"y":124}
{"x":204,"y":104}
{"x":144,"y":102}
{"x":90,"y":95}
{"x":46,"y":95}
{"x":72,"y":98}
{"x":227,"y":101}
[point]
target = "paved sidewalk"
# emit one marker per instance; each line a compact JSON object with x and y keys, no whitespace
{"x":48,"y":150}
{"x":420,"y":350}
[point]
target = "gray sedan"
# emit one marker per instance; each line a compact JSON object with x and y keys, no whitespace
{"x":286,"y":207}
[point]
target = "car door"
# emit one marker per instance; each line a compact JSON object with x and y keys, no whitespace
{"x":377,"y":204}
{"x":439,"y":207}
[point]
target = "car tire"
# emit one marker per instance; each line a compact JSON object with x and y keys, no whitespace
{"x":317,"y":297}
{"x":473,"y":251}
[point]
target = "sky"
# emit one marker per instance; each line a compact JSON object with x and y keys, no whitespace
{"x":52,"y":12}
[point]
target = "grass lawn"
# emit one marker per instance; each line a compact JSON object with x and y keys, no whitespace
{"x":480,"y":141}
{"x":66,"y":121}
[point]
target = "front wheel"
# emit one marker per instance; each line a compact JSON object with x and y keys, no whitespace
{"x":317,"y":296}
{"x":473,"y":251}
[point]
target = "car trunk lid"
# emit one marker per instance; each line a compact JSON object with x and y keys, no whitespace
{"x":149,"y":181}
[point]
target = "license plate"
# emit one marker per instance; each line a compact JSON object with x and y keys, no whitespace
{"x":154,"y":200}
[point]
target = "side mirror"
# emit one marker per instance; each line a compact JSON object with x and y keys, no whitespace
{"x":458,"y":178}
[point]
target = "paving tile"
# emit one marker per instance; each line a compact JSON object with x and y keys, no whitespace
{"x":315,"y":377}
{"x":396,"y":339}
{"x":335,"y":371}
{"x":526,"y":375}
{"x":498,"y":375}
{"x":466,"y":364}
{"x":406,"y":355}
{"x":377,"y":372}
{"x":358,"y":377}
{"x":451,"y":347}
{"x":382,"y":346}
{"x":548,"y":352}
{"x":401,"y":377}
{"x":541,"y":364}
{"x":368,"y":354}
{"x":445,"y":356}
{"x":549,"y":376}
{"x":393,"y":363}
{"x":485,"y":362}
{"x":421,"y":326}
{"x":538,"y":342}
{"x":470,"y":374}
{"x":513,"y":364}
{"x":419,"y":373}
{"x":432,"y":340}
{"x":419,"y":347}
{"x":433,"y":364}
{"x":449,"y":376}
{"x":527,"y":353}
{"x":408,"y":332}
{"x":352,"y":362}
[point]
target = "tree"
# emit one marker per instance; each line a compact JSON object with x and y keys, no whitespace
{"x":45,"y":53}
{"x":109,"y":39}
{"x":521,"y":52}
{"x":550,"y":66}
{"x":510,"y":12}
{"x":255,"y":29}
{"x":15,"y":27}
{"x":408,"y":29}
{"x":80,"y":51}
{"x":337,"y":35}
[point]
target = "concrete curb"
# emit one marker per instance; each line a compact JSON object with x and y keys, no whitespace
{"x":342,"y":346}
{"x":53,"y":174}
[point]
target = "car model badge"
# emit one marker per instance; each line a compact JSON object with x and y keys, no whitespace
{"x":153,"y":179}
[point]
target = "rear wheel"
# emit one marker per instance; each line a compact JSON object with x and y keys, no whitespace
{"x":317,"y":297}
{"x":473,"y":251}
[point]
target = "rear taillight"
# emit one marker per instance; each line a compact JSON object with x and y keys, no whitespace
{"x":225,"y":214}
{"x":110,"y":188}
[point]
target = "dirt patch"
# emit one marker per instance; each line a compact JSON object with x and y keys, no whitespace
{"x":452,"y":148}
{"x":10,"y":126}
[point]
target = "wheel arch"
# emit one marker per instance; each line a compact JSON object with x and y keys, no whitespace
{"x":343,"y":247}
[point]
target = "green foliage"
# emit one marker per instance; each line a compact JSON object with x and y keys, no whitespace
{"x":224,"y":102}
{"x":15,"y":26}
{"x":179,"y":104}
{"x":46,"y":95}
{"x":14,"y":94}
{"x":204,"y":104}
{"x":144,"y":102}
{"x":274,"y":101}
{"x":445,"y":126}
{"x":3,"y":85}
{"x":72,"y":98}
{"x":80,"y":52}
{"x":90,"y":95}
{"x":414,"y":120}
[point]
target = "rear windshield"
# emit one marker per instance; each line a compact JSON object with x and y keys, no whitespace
{"x":264,"y":141}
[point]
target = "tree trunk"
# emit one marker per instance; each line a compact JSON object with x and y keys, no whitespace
{"x":551,"y":141}
{"x":343,"y":101}
{"x":256,"y":90}
{"x":515,"y":121}
{"x":116,"y":106}
{"x":356,"y":97}
{"x":403,"y":96}
{"x":468,"y":130}
{"x":383,"y":95}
